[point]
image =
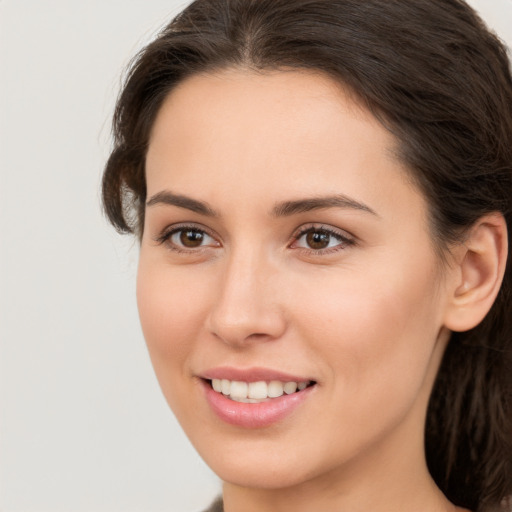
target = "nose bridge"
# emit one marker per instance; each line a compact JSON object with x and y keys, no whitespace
{"x":246,"y":306}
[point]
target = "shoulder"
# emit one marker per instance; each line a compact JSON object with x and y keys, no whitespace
{"x":216,"y":506}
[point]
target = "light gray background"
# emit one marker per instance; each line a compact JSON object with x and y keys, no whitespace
{"x":83,"y":425}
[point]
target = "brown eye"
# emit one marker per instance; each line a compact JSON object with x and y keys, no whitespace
{"x":318,"y":239}
{"x":191,"y":238}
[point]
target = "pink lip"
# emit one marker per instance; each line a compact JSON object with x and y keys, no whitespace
{"x":258,"y":415}
{"x":254,"y":374}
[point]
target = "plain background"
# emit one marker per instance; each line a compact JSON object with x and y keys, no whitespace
{"x":83,"y":425}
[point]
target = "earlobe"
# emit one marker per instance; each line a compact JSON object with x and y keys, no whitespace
{"x":479,"y":273}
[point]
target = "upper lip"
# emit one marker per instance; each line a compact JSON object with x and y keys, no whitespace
{"x":253,"y":374}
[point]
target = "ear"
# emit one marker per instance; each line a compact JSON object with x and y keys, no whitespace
{"x":478,"y":273}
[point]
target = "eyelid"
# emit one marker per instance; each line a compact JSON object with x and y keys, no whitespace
{"x":346,"y":239}
{"x":165,"y":235}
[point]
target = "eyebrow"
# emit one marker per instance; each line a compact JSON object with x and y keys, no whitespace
{"x":283,"y":209}
{"x":169,"y":198}
{"x":287,"y":208}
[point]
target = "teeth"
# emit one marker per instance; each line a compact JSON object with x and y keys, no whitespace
{"x":246,"y":400}
{"x":275,"y":389}
{"x":290,"y":387}
{"x":255,"y":392}
{"x":258,"y":390}
{"x":225,"y":386}
{"x":239,"y":389}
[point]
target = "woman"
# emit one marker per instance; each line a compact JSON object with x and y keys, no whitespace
{"x":322,"y":191}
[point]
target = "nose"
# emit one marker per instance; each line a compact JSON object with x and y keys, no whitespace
{"x":247,"y":307}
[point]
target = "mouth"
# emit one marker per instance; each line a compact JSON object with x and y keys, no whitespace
{"x":258,"y":391}
{"x":255,"y":399}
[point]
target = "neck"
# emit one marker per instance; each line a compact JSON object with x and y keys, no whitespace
{"x":381,"y":490}
{"x":393,"y":476}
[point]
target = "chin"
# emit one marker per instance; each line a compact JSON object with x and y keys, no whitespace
{"x":259,"y":475}
{"x":267,"y":460}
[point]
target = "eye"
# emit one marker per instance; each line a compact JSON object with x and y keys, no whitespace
{"x":183,"y":238}
{"x":321,"y":239}
{"x":189,"y":238}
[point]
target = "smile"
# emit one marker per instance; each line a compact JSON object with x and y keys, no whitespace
{"x":256,"y":392}
{"x":254,"y":399}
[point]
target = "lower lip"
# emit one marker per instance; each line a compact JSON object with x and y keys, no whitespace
{"x":258,"y":415}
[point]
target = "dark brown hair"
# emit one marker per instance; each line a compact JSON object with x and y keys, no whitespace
{"x":435,"y":76}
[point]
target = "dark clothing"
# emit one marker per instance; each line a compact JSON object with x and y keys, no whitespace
{"x":216,"y":506}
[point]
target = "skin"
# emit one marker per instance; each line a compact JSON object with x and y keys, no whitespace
{"x":365,"y":319}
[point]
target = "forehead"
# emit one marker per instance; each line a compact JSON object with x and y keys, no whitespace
{"x":252,"y":99}
{"x":243,"y":132}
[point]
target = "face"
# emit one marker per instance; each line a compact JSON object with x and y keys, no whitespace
{"x":286,"y":262}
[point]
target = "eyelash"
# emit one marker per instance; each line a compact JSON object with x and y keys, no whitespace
{"x":167,"y":234}
{"x":344,"y":239}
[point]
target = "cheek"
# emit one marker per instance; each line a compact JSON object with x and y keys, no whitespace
{"x":377,"y":328}
{"x":378,"y":343}
{"x":171,"y":313}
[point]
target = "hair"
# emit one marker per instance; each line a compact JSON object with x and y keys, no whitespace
{"x":440,"y":82}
